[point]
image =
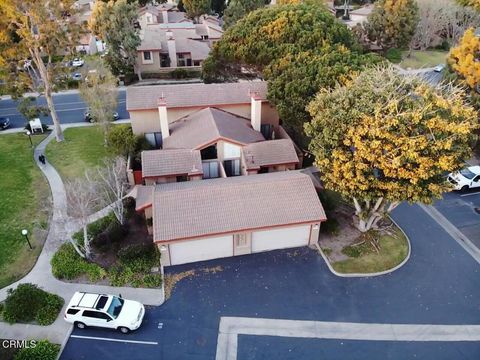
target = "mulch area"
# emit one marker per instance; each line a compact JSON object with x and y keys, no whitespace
{"x":137,"y":234}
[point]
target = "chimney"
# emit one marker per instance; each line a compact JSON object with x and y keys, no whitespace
{"x":165,"y":16}
{"x":162,"y":112}
{"x":256,"y":111}
{"x":172,"y":49}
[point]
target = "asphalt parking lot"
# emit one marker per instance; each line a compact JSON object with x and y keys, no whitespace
{"x":459,"y":209}
{"x":438,"y":285}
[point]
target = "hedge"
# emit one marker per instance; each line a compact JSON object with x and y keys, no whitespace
{"x":44,"y":350}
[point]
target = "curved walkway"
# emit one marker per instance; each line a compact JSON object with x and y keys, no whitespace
{"x":61,"y":227}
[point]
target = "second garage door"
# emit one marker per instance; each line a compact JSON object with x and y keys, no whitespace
{"x":281,"y":238}
{"x":198,"y":250}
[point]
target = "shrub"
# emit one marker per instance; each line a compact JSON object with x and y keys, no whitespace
{"x":28,"y":302}
{"x":352,"y":251}
{"x":152,"y":280}
{"x":139,"y":257}
{"x":44,"y":350}
{"x":394,"y":55}
{"x":179,"y":74}
{"x":330,"y":227}
{"x":67,"y":264}
{"x":100,"y":225}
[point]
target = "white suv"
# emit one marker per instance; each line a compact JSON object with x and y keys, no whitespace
{"x":107,"y":311}
{"x":466,"y":178}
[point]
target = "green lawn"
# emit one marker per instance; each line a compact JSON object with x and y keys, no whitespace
{"x":393,"y":250}
{"x":83,"y":148}
{"x":25,"y":204}
{"x":421,"y":59}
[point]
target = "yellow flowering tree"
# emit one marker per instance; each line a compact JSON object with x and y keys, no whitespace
{"x":385,"y":138}
{"x":465,"y":58}
{"x":473,"y":3}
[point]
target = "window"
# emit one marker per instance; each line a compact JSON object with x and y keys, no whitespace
{"x":154,"y":139}
{"x":147,"y":55}
{"x":149,"y":19}
{"x":210,"y":169}
{"x":101,"y":302}
{"x":204,"y":37}
{"x":164,"y":60}
{"x":72,"y":311}
{"x":232,"y":167}
{"x":197,"y":63}
{"x":182,"y":178}
{"x":115,"y":306}
{"x":96,"y":315}
{"x":477,"y":179}
{"x":241,"y":240}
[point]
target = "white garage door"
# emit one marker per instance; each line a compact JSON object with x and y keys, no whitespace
{"x":281,"y":238}
{"x":198,"y":250}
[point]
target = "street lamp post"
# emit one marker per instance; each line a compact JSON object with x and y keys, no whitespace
{"x":163,"y":249}
{"x":25,"y":233}
{"x":29,"y":137}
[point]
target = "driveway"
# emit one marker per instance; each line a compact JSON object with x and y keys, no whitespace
{"x":459,"y":209}
{"x":439,"y":286}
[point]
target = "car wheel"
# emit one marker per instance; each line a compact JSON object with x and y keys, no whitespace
{"x":464,"y":188}
{"x":80,"y":325}
{"x":124,"y":330}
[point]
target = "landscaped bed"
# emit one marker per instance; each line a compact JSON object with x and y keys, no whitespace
{"x":30,"y":304}
{"x":83,"y":148}
{"x":350,"y":251}
{"x":25,"y":204}
{"x":122,"y":255}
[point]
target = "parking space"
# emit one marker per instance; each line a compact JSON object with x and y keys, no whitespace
{"x":463,"y":211}
{"x":439,"y":285}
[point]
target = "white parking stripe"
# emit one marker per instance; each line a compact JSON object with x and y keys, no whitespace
{"x":477,"y":193}
{"x":116,"y":340}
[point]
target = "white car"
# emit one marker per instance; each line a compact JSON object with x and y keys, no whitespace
{"x":467,"y":178}
{"x":77,"y":62}
{"x":106,"y":311}
{"x":439,"y":68}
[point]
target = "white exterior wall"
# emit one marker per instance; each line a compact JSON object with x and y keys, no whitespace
{"x":281,"y":238}
{"x":204,"y":249}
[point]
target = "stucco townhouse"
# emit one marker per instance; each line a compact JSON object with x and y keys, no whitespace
{"x":170,"y":40}
{"x":224,"y":180}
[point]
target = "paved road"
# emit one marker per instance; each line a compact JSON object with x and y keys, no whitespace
{"x":459,"y":209}
{"x":70,"y":108}
{"x":439,"y":285}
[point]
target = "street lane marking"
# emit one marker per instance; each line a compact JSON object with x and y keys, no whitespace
{"x":116,"y":340}
{"x":475,"y":193}
{"x":231,"y":327}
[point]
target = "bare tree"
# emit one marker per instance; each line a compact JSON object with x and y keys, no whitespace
{"x":113,"y":185}
{"x":460,"y":18}
{"x":432,"y":21}
{"x":100,"y":93}
{"x":82,"y":199}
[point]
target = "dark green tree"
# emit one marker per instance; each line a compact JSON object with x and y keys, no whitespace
{"x":116,"y":23}
{"x":391,"y":24}
{"x":237,"y":9}
{"x":196,"y":8}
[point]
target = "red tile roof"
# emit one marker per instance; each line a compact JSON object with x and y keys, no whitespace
{"x":171,"y":162}
{"x":188,"y":95}
{"x":210,"y":207}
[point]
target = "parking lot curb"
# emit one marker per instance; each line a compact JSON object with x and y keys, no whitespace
{"x":64,"y":342}
{"x":356,"y":275}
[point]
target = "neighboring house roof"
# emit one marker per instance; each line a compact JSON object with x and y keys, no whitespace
{"x":219,"y":206}
{"x":85,"y":39}
{"x":171,"y":162}
{"x":144,"y":197}
{"x":208,"y":125}
{"x":198,"y":50}
{"x":272,"y":152}
{"x":188,"y":95}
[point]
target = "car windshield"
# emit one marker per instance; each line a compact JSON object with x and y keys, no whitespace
{"x":115,"y":307}
{"x":467,"y":173}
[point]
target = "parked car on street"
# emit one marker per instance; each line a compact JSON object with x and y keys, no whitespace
{"x":4,"y":123}
{"x":88,"y":116}
{"x":439,"y":68}
{"x":77,"y":76}
{"x":466,"y":178}
{"x":105,"y":311}
{"x":77,"y":62}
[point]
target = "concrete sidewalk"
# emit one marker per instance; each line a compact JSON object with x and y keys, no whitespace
{"x":61,"y":228}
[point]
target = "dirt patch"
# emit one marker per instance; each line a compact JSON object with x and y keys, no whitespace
{"x":348,"y":235}
{"x":171,"y":280}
